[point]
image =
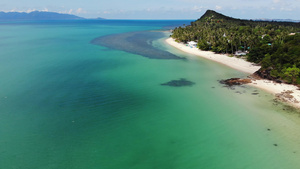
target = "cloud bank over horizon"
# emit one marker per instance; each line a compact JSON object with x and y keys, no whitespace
{"x":155,"y":9}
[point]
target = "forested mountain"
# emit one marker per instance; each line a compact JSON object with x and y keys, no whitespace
{"x":36,"y":15}
{"x":274,"y":45}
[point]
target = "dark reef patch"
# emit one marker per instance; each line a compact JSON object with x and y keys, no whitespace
{"x":178,"y":83}
{"x":139,"y":43}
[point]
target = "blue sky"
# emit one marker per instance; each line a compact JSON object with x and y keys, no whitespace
{"x":160,"y":9}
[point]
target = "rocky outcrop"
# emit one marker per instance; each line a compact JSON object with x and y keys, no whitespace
{"x":235,"y":81}
{"x":266,"y":74}
{"x":286,"y":96}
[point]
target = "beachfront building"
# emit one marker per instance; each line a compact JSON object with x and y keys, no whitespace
{"x":192,"y":44}
{"x":240,"y":53}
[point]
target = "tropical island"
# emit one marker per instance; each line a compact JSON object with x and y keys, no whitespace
{"x":269,"y":50}
{"x":36,"y":15}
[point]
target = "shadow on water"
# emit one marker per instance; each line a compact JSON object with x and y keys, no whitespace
{"x":178,"y":83}
{"x":139,"y":43}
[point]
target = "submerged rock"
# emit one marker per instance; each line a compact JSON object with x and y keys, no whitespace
{"x":178,"y":83}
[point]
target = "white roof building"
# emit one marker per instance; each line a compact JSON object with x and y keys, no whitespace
{"x":192,"y":44}
{"x":240,"y":53}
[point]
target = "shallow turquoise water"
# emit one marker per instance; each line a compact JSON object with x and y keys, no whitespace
{"x":67,"y":103}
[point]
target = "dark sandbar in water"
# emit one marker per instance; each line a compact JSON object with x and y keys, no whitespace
{"x":139,"y":43}
{"x":178,"y":83}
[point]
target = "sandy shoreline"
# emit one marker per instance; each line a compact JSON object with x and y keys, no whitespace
{"x":284,"y":92}
{"x":233,"y":62}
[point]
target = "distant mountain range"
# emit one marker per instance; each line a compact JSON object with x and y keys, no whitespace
{"x":37,"y":15}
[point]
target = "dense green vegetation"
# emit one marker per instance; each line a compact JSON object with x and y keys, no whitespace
{"x":270,"y":44}
{"x":284,"y":61}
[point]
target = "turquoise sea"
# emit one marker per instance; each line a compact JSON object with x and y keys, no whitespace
{"x":89,"y":95}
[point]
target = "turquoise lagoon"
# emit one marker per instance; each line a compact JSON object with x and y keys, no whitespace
{"x":88,"y":95}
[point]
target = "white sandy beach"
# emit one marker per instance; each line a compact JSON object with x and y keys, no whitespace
{"x":233,"y":62}
{"x":285,"y":92}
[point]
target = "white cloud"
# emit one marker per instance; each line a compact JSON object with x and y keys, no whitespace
{"x":197,"y":9}
{"x":284,"y":5}
{"x":30,"y":10}
{"x":106,"y":12}
{"x":79,"y":10}
{"x":70,"y":11}
{"x":286,"y":9}
{"x":276,"y":1}
{"x":45,"y":10}
{"x":16,"y":10}
{"x":218,"y":7}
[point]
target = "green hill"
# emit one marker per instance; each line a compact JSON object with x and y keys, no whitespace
{"x":274,"y":45}
{"x":213,"y":15}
